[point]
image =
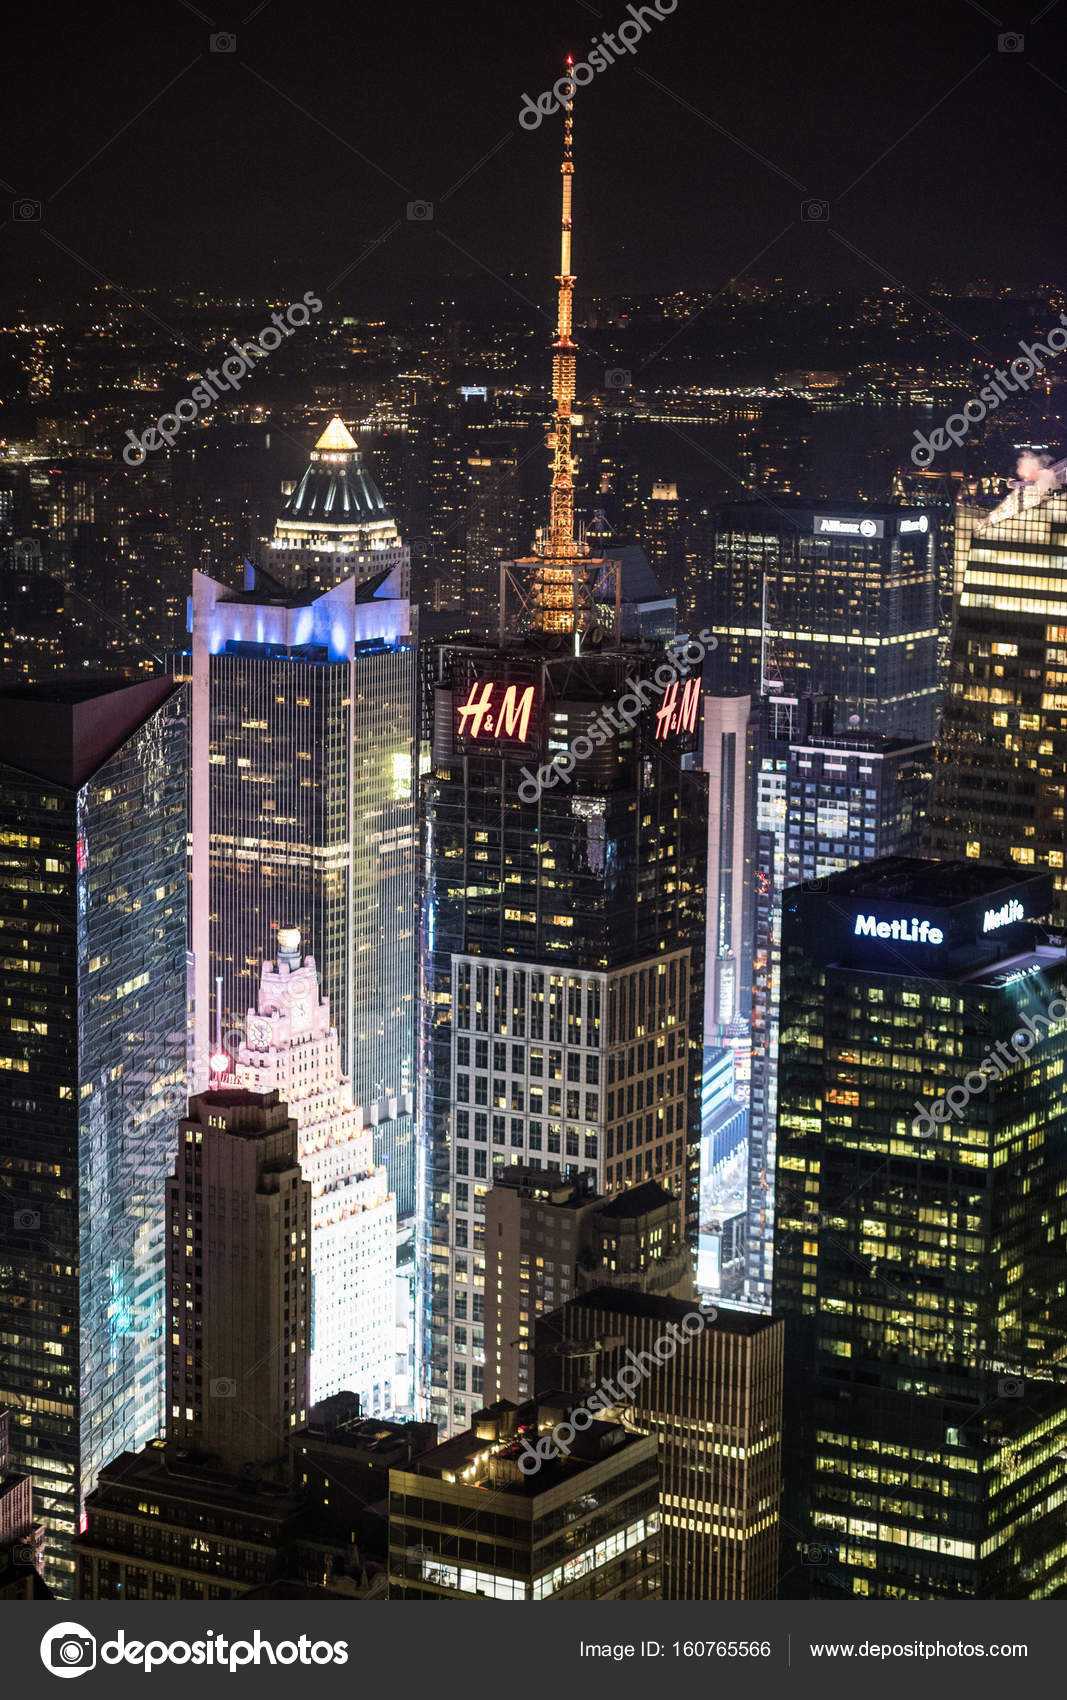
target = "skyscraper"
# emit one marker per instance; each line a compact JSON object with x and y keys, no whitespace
{"x":563,"y":914}
{"x":291,"y":1047}
{"x":827,"y":599}
{"x":822,"y":804}
{"x":303,"y":816}
{"x":93,"y":829}
{"x":488,"y":528}
{"x":725,"y":757}
{"x":335,"y":524}
{"x":921,"y":1234}
{"x":562,"y":1001}
{"x":221,"y":1506}
{"x":999,"y":782}
{"x":238,"y":1280}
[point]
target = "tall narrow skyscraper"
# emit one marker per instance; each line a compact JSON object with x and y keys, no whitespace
{"x":822,"y":804}
{"x":304,"y":816}
{"x":725,"y":755}
{"x":563,"y":921}
{"x":291,"y":1047}
{"x":238,"y":1280}
{"x":93,"y":829}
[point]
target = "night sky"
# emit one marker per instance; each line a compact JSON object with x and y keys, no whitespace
{"x":276,"y":167}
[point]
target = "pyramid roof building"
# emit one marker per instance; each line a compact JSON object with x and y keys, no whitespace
{"x":335,"y":523}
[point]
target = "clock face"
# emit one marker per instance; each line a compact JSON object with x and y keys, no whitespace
{"x":301,"y":1011}
{"x":258,"y":1033}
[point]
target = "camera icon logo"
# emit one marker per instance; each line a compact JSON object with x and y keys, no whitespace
{"x":26,"y":1221}
{"x":24,"y":1555}
{"x":1010,"y":42}
{"x":1011,"y":1387}
{"x":617,"y":378}
{"x":68,"y":1650}
{"x":813,"y":1552}
{"x":815,"y":212}
{"x":420,"y":212}
{"x":25,"y":211}
{"x":223,"y":42}
{"x":223,"y":1387}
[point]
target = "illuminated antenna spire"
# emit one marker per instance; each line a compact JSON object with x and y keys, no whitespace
{"x":562,"y":592}
{"x":561,"y":512}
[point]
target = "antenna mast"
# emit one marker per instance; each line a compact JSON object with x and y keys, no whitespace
{"x":562,"y":595}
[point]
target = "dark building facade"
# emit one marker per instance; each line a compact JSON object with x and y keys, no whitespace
{"x":238,"y":1279}
{"x":839,"y":600}
{"x":822,"y":804}
{"x":93,"y":830}
{"x":563,"y":953}
{"x":921,"y":1235}
{"x":170,"y":1523}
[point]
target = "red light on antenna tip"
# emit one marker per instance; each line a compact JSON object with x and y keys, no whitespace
{"x":570,"y":59}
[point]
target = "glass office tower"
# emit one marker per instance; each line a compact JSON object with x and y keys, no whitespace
{"x":840,"y":600}
{"x":822,"y":804}
{"x":563,"y":924}
{"x":304,"y":817}
{"x":1002,"y":753}
{"x":93,"y":828}
{"x":921,"y":1235}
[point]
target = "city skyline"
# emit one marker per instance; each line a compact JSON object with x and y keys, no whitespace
{"x":532,"y":817}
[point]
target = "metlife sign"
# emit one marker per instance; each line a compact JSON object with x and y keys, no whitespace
{"x":905,"y":929}
{"x":1005,"y":916}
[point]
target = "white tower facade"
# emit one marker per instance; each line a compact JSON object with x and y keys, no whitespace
{"x":291,"y":1047}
